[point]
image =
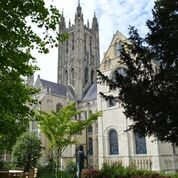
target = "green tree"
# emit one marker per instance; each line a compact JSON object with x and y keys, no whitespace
{"x":149,"y":86}
{"x":20,"y":23}
{"x":60,"y":127}
{"x":26,"y":151}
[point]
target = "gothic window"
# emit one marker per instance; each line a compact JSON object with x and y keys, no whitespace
{"x":113,"y":142}
{"x":67,"y":46}
{"x":90,"y":44}
{"x":58,"y":107}
{"x":86,"y":75}
{"x":90,"y":129}
{"x":72,"y":41}
{"x":92,"y":76}
{"x":140,"y":144}
{"x":90,"y":146}
{"x":118,"y":48}
{"x":85,"y":45}
{"x":111,"y":101}
{"x":72,"y":76}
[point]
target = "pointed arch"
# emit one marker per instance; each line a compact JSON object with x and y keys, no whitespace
{"x":113,"y":142}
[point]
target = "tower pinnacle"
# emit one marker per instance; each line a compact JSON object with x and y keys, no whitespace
{"x":79,"y":9}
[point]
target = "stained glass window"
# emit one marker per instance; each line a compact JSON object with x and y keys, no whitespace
{"x":113,"y":143}
{"x":140,"y":143}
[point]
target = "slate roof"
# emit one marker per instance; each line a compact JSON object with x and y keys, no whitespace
{"x":91,"y":93}
{"x":54,"y":88}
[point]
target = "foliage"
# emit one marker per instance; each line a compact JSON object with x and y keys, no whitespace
{"x":20,"y":24}
{"x":26,"y":151}
{"x":71,"y":168}
{"x":60,"y":127}
{"x":149,"y":87}
{"x":118,"y":170}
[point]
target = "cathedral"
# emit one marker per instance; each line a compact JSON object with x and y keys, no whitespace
{"x":105,"y":140}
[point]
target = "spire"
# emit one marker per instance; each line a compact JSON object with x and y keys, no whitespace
{"x":62,"y":23}
{"x":94,"y":22}
{"x":79,"y":9}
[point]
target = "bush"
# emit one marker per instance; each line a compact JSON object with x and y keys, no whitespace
{"x":71,"y":168}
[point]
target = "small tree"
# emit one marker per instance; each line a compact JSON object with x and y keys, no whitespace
{"x":26,"y":151}
{"x":60,"y":127}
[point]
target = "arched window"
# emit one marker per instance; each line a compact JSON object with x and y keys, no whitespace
{"x":113,"y":142}
{"x":58,"y":107}
{"x":90,"y":146}
{"x":67,"y":46}
{"x":72,"y":76}
{"x":86,"y":75}
{"x":92,"y":76}
{"x":72,"y":41}
{"x":85,"y":45}
{"x":66,"y":76}
{"x":90,"y":44}
{"x":90,"y":129}
{"x":140,"y":144}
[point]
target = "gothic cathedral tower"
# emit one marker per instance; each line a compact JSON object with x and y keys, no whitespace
{"x":78,"y":57}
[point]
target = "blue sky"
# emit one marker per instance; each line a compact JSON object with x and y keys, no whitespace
{"x":112,"y":15}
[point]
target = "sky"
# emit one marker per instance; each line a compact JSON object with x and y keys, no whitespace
{"x":112,"y":15}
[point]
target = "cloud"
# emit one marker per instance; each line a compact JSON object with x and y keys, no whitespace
{"x":112,"y":15}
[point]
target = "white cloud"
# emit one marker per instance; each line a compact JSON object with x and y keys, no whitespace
{"x":112,"y":15}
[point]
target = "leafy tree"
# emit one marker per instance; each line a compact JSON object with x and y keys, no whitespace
{"x":60,"y":127}
{"x":26,"y":151}
{"x":17,"y":40}
{"x":148,"y":90}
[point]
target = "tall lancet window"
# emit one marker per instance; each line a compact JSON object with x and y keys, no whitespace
{"x":86,"y":75}
{"x":67,"y":46}
{"x":140,"y":144}
{"x":73,"y":76}
{"x":113,"y":142}
{"x":72,"y":41}
{"x":85,"y":45}
{"x":90,"y":44}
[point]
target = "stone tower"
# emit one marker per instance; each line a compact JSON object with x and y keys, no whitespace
{"x":78,"y":57}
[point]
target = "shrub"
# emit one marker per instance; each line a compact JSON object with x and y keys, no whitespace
{"x":71,"y":168}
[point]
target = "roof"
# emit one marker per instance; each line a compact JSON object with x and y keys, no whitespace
{"x":91,"y":93}
{"x":54,"y":88}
